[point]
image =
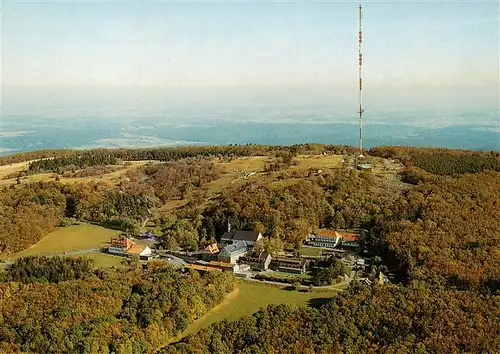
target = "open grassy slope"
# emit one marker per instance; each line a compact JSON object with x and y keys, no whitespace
{"x":251,"y":296}
{"x":70,"y":238}
{"x":8,"y":169}
{"x":103,"y":260}
{"x":21,"y":166}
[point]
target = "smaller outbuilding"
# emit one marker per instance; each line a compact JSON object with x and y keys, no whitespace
{"x":212,"y":248}
{"x":210,"y":252}
{"x":141,"y":251}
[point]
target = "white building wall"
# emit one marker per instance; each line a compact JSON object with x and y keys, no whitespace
{"x":146,"y":252}
{"x":117,"y":250}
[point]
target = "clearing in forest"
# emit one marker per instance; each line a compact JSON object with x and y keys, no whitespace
{"x":6,"y":170}
{"x":104,"y":260}
{"x":243,"y":169}
{"x":70,"y":238}
{"x":317,"y":161}
{"x":251,"y":296}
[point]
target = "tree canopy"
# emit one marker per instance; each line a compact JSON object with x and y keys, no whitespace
{"x":60,"y":305}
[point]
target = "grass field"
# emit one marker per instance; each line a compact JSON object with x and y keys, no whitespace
{"x":257,"y":163}
{"x":310,"y":251}
{"x":103,"y":260}
{"x":286,"y":275}
{"x":250,"y":297}
{"x":8,"y":169}
{"x":232,"y":171}
{"x":18,"y":167}
{"x":70,"y":238}
{"x":317,"y":161}
{"x":249,"y":164}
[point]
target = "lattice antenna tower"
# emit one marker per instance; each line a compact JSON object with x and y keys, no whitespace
{"x":360,"y":72}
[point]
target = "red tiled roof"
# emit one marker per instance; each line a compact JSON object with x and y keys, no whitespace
{"x":122,"y":242}
{"x":350,"y":237}
{"x":136,"y":249}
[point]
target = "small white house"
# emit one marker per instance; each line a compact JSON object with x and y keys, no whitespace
{"x":140,"y":251}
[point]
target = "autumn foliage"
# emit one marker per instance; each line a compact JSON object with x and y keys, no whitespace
{"x":435,"y":225}
{"x":100,"y":311}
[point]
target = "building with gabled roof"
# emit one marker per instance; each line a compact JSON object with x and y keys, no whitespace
{"x":231,"y":253}
{"x":324,"y":238}
{"x":289,"y":265}
{"x":234,"y":236}
{"x":348,"y":237}
{"x":120,"y":245}
{"x":258,"y":261}
{"x":350,"y":241}
{"x":141,"y":251}
{"x":210,"y":252}
{"x":126,"y":247}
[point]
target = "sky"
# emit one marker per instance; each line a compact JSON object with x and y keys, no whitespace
{"x":424,"y":53}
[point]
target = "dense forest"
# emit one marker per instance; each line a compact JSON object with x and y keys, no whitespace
{"x":435,"y":224}
{"x":63,"y":305}
{"x":363,"y":319}
{"x":72,"y":162}
{"x":442,"y":161}
{"x":28,"y":212}
{"x":34,"y":155}
{"x":439,"y":232}
{"x":447,"y":231}
{"x":337,"y":199}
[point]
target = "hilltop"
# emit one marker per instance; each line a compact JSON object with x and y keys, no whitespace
{"x":431,"y":217}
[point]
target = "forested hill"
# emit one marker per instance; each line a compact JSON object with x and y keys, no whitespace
{"x":61,"y":305}
{"x":442,"y":229}
{"x":432,"y":215}
{"x":97,"y":156}
{"x":364,"y":319}
{"x":442,"y":161}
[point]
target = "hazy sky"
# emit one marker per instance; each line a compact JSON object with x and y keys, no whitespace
{"x":416,"y":46}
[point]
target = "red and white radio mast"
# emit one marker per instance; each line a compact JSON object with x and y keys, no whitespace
{"x":360,"y":66}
